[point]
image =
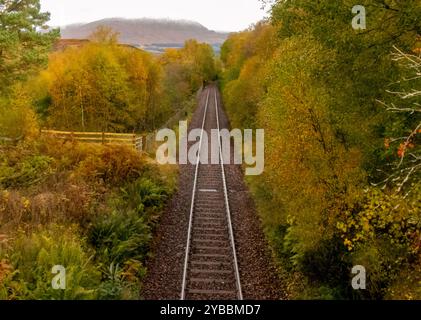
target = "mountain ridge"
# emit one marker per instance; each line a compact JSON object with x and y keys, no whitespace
{"x":148,"y":31}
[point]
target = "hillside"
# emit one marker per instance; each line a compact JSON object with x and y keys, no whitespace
{"x":149,"y":32}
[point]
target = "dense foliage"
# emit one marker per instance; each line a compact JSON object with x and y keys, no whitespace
{"x":101,"y":87}
{"x":22,"y":47}
{"x":104,"y":86}
{"x":90,"y":208}
{"x":319,"y":89}
{"x":23,"y":52}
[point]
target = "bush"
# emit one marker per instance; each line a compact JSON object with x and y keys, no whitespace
{"x":119,"y":237}
{"x":114,"y":165}
{"x":145,"y":197}
{"x":328,"y":266}
{"x":17,"y":118}
{"x":32,"y":256}
{"x":113,"y":196}
{"x":383,"y":236}
{"x":122,"y":238}
{"x":122,"y":282}
{"x":67,"y":154}
{"x":121,"y":241}
{"x":31,"y":170}
{"x":112,"y":193}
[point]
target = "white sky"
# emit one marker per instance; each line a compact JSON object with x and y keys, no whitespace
{"x":219,"y":15}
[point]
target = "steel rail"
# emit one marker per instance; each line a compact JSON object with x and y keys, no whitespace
{"x":231,"y":231}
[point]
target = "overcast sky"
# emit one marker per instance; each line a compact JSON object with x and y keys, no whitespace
{"x":219,"y":15}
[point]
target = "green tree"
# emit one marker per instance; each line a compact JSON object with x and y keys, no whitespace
{"x":24,"y":39}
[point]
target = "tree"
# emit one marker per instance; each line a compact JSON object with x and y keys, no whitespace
{"x":24,"y":40}
{"x":312,"y":81}
{"x":186,"y":71}
{"x":104,"y":35}
{"x":102,"y":86}
{"x":405,"y":149}
{"x":196,"y":63}
{"x":17,"y":118}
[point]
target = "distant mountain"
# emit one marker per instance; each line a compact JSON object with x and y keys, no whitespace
{"x":156,"y":33}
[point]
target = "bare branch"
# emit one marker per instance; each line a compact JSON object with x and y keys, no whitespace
{"x":409,"y":164}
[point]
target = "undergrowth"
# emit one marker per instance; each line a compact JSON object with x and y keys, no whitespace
{"x":91,"y":209}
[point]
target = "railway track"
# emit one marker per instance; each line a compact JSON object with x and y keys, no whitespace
{"x":210,"y":265}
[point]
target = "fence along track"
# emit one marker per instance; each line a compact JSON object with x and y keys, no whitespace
{"x":210,"y":266}
{"x":136,"y":141}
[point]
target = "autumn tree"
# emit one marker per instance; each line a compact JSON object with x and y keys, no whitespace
{"x":404,"y":145}
{"x":186,"y":70}
{"x":195,"y":63}
{"x":102,"y":86}
{"x":313,"y":83}
{"x":104,"y":35}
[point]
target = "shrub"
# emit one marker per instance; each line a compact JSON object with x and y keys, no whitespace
{"x":383,"y":235}
{"x":17,"y":119}
{"x":122,"y":282}
{"x":32,"y":256}
{"x":119,"y":237}
{"x":121,"y":241}
{"x":67,"y":154}
{"x":328,"y":266}
{"x":145,"y":196}
{"x":31,"y":170}
{"x":115,"y":165}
